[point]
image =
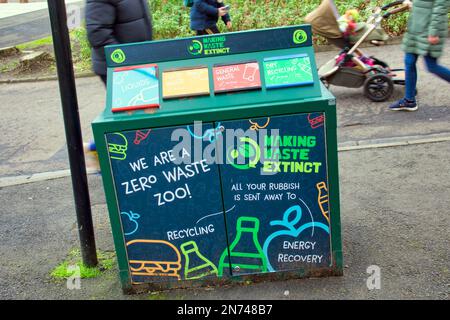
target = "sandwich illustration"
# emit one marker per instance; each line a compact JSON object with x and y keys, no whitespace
{"x":154,"y":258}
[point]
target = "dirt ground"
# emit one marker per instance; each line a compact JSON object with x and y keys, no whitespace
{"x":10,"y":67}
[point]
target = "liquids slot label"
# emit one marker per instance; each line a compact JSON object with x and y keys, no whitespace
{"x":135,"y":88}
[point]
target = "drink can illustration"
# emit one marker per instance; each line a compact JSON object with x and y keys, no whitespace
{"x":250,"y":71}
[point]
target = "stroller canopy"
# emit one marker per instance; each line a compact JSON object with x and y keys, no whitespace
{"x":324,"y":20}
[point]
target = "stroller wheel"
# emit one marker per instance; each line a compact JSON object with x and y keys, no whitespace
{"x":378,"y":87}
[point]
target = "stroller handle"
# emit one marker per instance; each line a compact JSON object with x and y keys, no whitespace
{"x":392,"y":4}
{"x":396,"y":10}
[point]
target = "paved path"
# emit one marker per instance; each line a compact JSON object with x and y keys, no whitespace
{"x":394,"y":200}
{"x":394,"y":209}
{"x":33,"y":138}
{"x":24,"y":22}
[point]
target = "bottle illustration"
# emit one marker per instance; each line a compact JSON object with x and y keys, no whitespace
{"x":196,"y":266}
{"x":323,"y":200}
{"x":246,"y":254}
{"x":141,"y":135}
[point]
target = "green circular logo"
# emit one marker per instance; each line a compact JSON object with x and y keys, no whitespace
{"x":196,"y":48}
{"x":300,"y":36}
{"x":118,"y":56}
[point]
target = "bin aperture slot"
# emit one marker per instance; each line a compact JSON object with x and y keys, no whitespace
{"x":237,"y":77}
{"x":187,"y":82}
{"x":288,"y":71}
{"x":135,"y":87}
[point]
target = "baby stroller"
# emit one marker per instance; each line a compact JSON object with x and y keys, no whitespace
{"x":351,"y":68}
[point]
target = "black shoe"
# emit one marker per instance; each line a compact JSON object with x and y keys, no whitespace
{"x":404,"y":105}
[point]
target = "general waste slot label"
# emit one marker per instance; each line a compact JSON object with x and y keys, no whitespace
{"x":236,"y":77}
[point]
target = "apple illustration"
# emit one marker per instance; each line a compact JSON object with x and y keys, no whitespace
{"x":130,"y":225}
{"x":290,"y":228}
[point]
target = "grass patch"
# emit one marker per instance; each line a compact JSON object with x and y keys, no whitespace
{"x":163,"y":296}
{"x":48,"y":41}
{"x":81,"y":51}
{"x":73,"y":263}
{"x":157,"y":296}
{"x":9,"y":66}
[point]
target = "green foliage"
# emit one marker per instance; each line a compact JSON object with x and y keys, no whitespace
{"x":106,"y":261}
{"x":171,"y":18}
{"x":81,"y":50}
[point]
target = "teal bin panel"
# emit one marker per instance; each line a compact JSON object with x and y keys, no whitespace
{"x":170,"y":211}
{"x":275,"y":190}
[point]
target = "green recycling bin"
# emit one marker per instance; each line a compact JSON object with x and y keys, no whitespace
{"x":219,"y":160}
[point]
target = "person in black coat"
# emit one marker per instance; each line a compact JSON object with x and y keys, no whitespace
{"x":113,"y":22}
{"x":206,"y":13}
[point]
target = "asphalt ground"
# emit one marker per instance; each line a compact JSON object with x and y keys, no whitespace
{"x":33,"y":138}
{"x":394,"y":201}
{"x":394,"y":212}
{"x":25,"y":22}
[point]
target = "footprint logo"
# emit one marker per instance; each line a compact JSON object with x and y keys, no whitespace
{"x":118,"y":56}
{"x":300,"y":36}
{"x":196,"y":48}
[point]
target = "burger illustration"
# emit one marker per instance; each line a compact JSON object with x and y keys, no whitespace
{"x":117,"y":146}
{"x":154,"y":258}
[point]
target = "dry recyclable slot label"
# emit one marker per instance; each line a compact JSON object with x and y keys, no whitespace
{"x":288,"y":71}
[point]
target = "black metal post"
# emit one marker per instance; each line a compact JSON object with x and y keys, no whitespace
{"x":63,"y":55}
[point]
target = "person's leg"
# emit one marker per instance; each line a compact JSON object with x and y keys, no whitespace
{"x":410,"y":76}
{"x":433,"y":67}
{"x":408,"y":103}
{"x":104,"y":79}
{"x":212,"y":30}
{"x":91,"y":156}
